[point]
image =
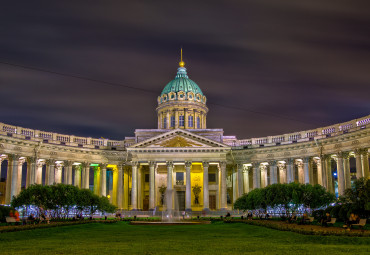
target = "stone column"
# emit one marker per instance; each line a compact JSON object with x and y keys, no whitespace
{"x":290,"y":170}
{"x":324,"y":177}
{"x":134,"y":186}
{"x":38,"y":174}
{"x":188,"y":186}
{"x":205,"y":187}
{"x":256,"y":176}
{"x":68,"y":172}
{"x":169,"y":204}
{"x":365,"y":163}
{"x":223,"y":186}
{"x":120,"y":186}
{"x":300,"y":177}
{"x":50,"y":169}
{"x":240,"y":180}
{"x":83,"y":175}
{"x":9,"y":180}
{"x":31,"y":171}
{"x":20,"y":174}
{"x":14,"y":176}
{"x":152,"y":165}
{"x":234,"y":184}
{"x":103,"y":180}
{"x":176,"y":118}
{"x":359,"y":173}
{"x":58,"y":173}
{"x":86,"y":175}
{"x":282,"y":173}
{"x":78,"y":176}
{"x":306,"y":170}
{"x":273,"y":172}
{"x":340,"y":174}
{"x":347,"y":172}
{"x":125,"y":188}
{"x":246,"y":179}
{"x":329,"y":174}
{"x":318,"y":163}
{"x":168,"y":120}
{"x":264,"y":177}
{"x":139,"y":188}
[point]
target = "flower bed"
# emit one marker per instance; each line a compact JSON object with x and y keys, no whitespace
{"x":13,"y":228}
{"x":303,"y":229}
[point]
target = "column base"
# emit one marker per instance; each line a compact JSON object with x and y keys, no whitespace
{"x":206,"y":210}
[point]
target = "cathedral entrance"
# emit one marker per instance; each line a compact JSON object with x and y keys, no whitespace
{"x":181,"y":200}
{"x":146,"y":203}
{"x":212,"y":202}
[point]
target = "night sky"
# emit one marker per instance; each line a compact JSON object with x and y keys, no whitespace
{"x":267,"y":67}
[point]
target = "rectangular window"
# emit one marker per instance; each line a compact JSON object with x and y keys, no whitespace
{"x":190,"y":121}
{"x":198,"y":122}
{"x":173,"y":120}
{"x":179,"y":178}
{"x":211,"y":177}
{"x":181,"y":121}
{"x":165,"y":122}
{"x":146,"y":177}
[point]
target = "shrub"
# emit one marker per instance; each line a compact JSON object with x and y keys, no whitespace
{"x":4,"y":212}
{"x":318,"y":214}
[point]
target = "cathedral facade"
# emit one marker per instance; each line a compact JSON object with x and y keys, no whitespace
{"x":207,"y":170}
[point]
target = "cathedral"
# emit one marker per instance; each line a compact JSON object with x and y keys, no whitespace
{"x":206,"y":170}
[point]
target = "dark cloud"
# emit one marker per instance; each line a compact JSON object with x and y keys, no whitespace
{"x":306,"y":61}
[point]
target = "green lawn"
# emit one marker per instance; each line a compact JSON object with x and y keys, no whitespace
{"x":217,"y":238}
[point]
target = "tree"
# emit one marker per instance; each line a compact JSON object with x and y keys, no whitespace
{"x":358,"y":197}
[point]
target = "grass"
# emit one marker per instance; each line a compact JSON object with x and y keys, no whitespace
{"x":217,"y":238}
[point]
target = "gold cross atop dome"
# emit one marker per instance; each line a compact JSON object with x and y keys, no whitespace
{"x":182,"y":63}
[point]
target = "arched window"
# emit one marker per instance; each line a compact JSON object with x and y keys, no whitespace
{"x":190,"y":121}
{"x":181,"y":120}
{"x":198,"y":122}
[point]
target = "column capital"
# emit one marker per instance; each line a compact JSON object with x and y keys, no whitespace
{"x":103,"y":165}
{"x":281,"y":166}
{"x":240,"y":166}
{"x":67,"y":163}
{"x":40,"y":163}
{"x":152,"y":163}
{"x":223,"y":164}
{"x":31,"y":160}
{"x":246,"y":168}
{"x":85,"y":164}
{"x":299,"y":163}
{"x":341,"y":154}
{"x":205,"y":164}
{"x":358,"y":152}
{"x":272,"y":163}
{"x":169,"y":164}
{"x":290,"y":161}
{"x":262,"y":167}
{"x":188,"y":163}
{"x":364,"y":152}
{"x":306,"y":160}
{"x":50,"y":162}
{"x":12,"y":157}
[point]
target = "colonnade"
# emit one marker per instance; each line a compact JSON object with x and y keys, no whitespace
{"x":135,"y":189}
{"x":302,"y":170}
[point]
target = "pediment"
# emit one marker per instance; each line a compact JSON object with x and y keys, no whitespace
{"x":178,"y":139}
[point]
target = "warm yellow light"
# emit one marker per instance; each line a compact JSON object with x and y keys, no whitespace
{"x":108,"y":196}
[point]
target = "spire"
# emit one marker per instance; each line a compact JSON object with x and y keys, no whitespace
{"x":182,"y":63}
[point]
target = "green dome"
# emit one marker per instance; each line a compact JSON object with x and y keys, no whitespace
{"x":182,"y":83}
